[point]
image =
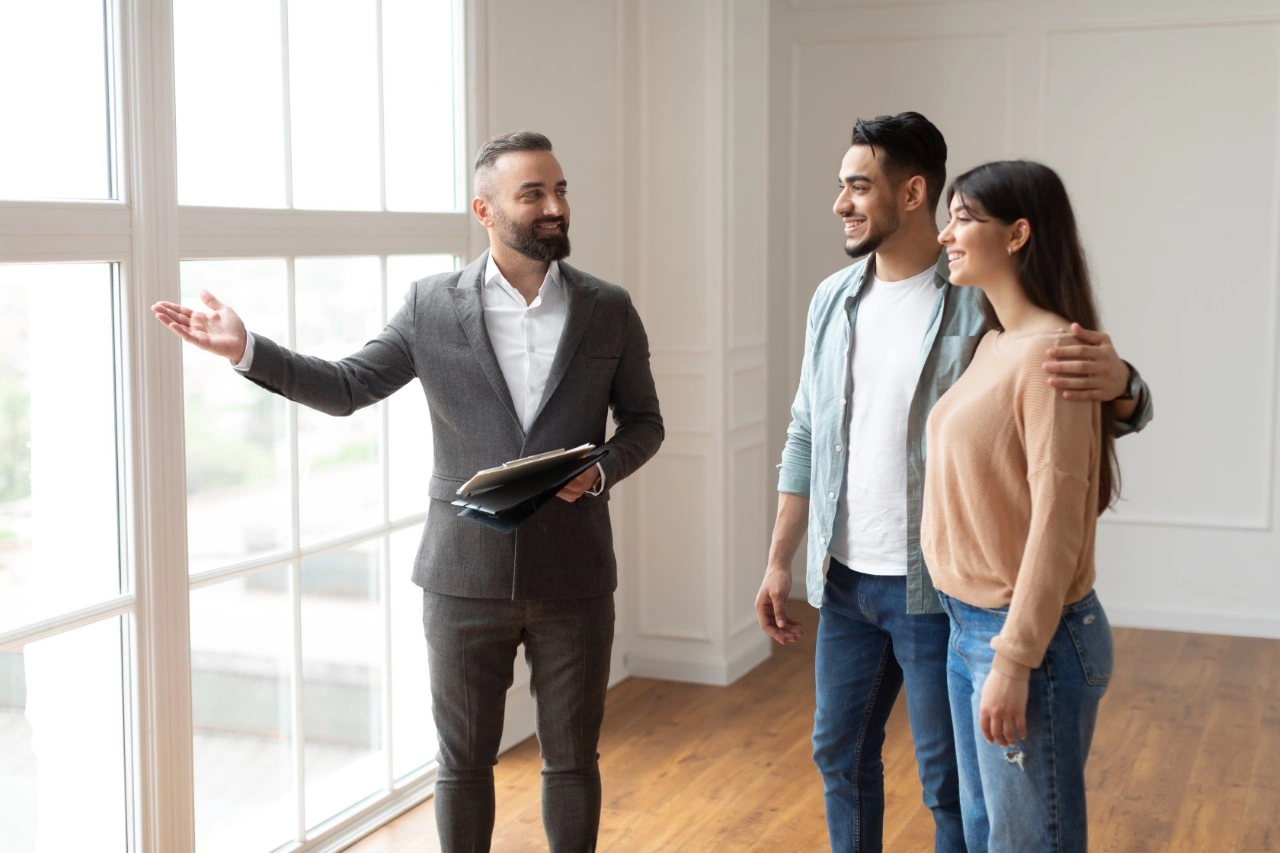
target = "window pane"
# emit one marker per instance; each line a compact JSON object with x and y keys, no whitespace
{"x":230,"y":103}
{"x":62,"y":728}
{"x":238,"y":498}
{"x":333,"y":93}
{"x":53,"y":102}
{"x":57,"y":442}
{"x":343,"y":643}
{"x":339,"y":309}
{"x":241,"y":713}
{"x":409,"y":426}
{"x":421,"y":117}
{"x":413,"y":733}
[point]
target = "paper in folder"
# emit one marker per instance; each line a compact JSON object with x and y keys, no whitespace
{"x":503,"y":497}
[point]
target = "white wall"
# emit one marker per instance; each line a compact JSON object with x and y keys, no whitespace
{"x":701,"y":140}
{"x":1164,"y":121}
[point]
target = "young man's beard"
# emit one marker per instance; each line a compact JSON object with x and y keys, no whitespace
{"x":864,"y":247}
{"x":875,"y":237}
{"x":528,"y":242}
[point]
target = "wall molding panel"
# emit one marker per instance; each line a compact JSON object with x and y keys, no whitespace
{"x":683,"y":604}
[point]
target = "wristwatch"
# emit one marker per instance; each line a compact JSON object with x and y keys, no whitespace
{"x":1134,"y":386}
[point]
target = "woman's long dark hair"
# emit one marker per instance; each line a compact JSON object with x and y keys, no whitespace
{"x":1051,"y":265}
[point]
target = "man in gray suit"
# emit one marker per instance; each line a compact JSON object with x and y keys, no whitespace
{"x":518,"y":354}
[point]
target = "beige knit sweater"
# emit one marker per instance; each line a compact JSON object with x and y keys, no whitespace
{"x":1011,"y":494}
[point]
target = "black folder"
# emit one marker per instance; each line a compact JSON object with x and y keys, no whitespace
{"x":512,"y":499}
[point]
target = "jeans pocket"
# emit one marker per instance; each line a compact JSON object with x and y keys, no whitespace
{"x":1090,"y":632}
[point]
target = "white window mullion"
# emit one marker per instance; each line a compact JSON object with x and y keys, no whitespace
{"x":470,"y":88}
{"x":287,"y":115}
{"x":54,"y":231}
{"x":116,"y":176}
{"x":295,"y":572}
{"x":382,"y":111}
{"x":295,"y":704}
{"x":388,"y":688}
{"x":207,"y":232}
{"x":157,"y":509}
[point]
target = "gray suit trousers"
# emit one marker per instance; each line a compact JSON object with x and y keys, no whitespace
{"x":471,"y":649}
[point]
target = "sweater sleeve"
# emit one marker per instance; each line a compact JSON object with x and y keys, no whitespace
{"x":1061,"y":440}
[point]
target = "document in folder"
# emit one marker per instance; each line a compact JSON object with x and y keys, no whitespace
{"x":503,"y":497}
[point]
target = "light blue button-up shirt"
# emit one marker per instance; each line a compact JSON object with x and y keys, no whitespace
{"x":814,"y":457}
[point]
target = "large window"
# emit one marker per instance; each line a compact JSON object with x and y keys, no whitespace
{"x":65,"y":614}
{"x":208,"y":637}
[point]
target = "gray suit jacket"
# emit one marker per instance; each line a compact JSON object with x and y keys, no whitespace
{"x":439,"y":337}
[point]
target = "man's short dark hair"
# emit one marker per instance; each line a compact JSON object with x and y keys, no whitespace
{"x":506,"y":143}
{"x":907,"y":144}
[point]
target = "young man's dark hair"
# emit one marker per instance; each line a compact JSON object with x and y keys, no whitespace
{"x":906,"y":144}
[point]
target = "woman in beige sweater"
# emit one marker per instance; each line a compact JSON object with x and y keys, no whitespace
{"x":1016,"y":477}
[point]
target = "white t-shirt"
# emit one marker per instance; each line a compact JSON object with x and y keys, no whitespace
{"x":870,"y":532}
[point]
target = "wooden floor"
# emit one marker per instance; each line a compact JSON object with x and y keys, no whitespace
{"x":1186,"y":759}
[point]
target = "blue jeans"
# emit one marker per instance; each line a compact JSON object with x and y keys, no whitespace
{"x":868,"y":646}
{"x":1029,"y":798}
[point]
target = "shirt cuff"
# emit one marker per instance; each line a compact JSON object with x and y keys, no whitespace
{"x":246,"y":361}
{"x":598,"y":489}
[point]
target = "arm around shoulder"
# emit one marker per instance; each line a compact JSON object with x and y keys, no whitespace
{"x":1134,"y":409}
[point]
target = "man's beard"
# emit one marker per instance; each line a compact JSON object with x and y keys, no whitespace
{"x":871,"y":242}
{"x":531,"y":244}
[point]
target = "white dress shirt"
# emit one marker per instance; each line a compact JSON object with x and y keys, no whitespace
{"x":524,"y":336}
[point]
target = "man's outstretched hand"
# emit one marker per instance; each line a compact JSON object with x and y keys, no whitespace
{"x":220,"y":331}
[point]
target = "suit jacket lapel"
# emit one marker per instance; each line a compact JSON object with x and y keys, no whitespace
{"x":466,"y":301}
{"x":580,"y":303}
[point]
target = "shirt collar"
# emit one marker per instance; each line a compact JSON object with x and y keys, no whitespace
{"x":492,"y":274}
{"x":941,"y":273}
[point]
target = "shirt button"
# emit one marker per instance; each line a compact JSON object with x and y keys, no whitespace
{"x":822,"y":540}
{"x":831,"y":495}
{"x":837,"y":448}
{"x":842,"y":401}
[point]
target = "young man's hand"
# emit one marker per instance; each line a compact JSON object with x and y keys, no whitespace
{"x":1090,"y":370}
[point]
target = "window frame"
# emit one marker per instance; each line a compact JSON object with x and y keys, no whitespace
{"x":145,"y":234}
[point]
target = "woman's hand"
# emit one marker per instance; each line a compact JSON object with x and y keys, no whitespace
{"x":1002,"y":710}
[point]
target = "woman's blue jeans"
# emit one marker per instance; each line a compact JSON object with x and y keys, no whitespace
{"x":1028,"y":798}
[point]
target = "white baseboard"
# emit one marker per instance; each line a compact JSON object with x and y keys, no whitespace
{"x":1194,"y":621}
{"x":718,"y":673}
